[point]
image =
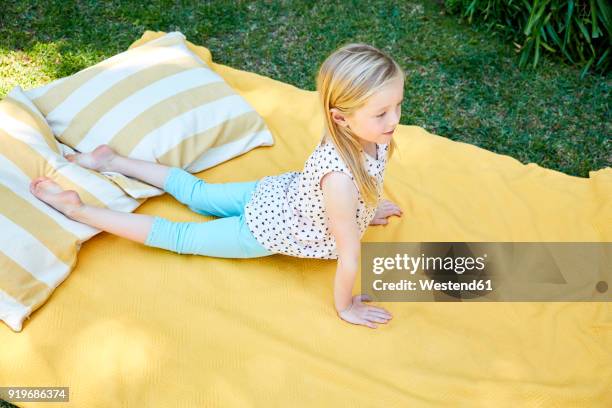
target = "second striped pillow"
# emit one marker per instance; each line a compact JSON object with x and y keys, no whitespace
{"x":156,"y":102}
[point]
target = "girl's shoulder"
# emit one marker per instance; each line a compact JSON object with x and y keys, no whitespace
{"x":325,"y":158}
{"x":322,"y":150}
{"x":326,"y":150}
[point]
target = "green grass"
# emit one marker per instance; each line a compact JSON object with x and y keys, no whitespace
{"x":462,"y":83}
{"x":4,"y":404}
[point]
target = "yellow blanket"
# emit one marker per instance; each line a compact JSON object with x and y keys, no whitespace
{"x":136,"y":326}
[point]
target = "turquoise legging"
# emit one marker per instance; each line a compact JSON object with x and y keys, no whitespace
{"x":227,"y":237}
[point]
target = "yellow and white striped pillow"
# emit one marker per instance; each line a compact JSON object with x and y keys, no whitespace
{"x":39,"y":245}
{"x":155,"y":102}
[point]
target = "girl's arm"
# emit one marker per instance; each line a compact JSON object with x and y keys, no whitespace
{"x":340,"y":197}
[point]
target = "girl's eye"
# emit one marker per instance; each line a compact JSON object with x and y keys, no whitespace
{"x":381,"y":115}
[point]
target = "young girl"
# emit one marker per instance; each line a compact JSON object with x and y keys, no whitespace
{"x":321,"y":212}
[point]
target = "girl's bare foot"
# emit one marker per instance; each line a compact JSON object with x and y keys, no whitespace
{"x":47,"y":190}
{"x":99,"y":159}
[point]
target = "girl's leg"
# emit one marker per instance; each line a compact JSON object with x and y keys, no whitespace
{"x":104,"y":158}
{"x":217,"y":199}
{"x":224,"y":237}
{"x":135,"y":227}
{"x":227,"y":237}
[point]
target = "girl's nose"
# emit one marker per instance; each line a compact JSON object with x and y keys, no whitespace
{"x":396,"y":117}
{"x":395,"y":121}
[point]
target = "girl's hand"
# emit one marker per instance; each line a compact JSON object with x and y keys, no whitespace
{"x":385,"y":209}
{"x":358,"y":313}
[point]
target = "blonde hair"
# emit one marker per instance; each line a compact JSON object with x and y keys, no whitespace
{"x":345,"y":81}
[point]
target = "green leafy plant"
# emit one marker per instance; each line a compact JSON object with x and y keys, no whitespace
{"x":578,"y":31}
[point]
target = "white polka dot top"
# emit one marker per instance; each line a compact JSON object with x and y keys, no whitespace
{"x":286,"y":213}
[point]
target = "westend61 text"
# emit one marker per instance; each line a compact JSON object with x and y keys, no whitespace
{"x":430,"y":284}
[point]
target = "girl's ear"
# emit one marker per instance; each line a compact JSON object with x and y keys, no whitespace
{"x":338,"y":117}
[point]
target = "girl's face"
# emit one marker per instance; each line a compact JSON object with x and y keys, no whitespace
{"x":376,"y":120}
